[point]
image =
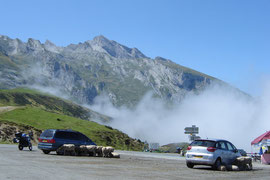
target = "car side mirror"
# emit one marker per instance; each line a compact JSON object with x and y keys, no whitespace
{"x":235,"y":150}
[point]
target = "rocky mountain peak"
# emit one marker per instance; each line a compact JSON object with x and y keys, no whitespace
{"x":10,"y":46}
{"x":4,"y":37}
{"x":160,"y":58}
{"x":34,"y":44}
{"x":48,"y":45}
{"x":114,"y":49}
{"x":101,"y":40}
{"x":85,"y":70}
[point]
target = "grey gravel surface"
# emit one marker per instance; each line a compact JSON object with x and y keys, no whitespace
{"x":15,"y":164}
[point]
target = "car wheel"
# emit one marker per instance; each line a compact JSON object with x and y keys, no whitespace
{"x":46,"y":151}
{"x":217,"y":164}
{"x":190,"y":165}
{"x":20,"y":147}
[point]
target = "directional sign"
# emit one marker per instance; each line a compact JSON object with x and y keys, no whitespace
{"x":192,"y":130}
{"x":193,"y":137}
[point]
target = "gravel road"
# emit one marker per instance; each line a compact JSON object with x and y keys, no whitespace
{"x":15,"y":164}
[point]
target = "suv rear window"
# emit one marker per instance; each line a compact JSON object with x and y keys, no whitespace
{"x":68,"y":135}
{"x":47,"y":133}
{"x":62,"y":135}
{"x":204,"y":143}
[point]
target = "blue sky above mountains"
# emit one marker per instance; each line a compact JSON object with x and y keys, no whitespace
{"x":226,"y":39}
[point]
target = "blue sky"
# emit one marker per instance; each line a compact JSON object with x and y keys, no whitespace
{"x":227,"y":39}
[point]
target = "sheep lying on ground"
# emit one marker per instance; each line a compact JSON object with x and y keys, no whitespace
{"x":228,"y":168}
{"x":244,"y":163}
{"x":91,"y":150}
{"x":81,"y":150}
{"x":99,"y":151}
{"x":107,"y":151}
{"x":115,"y":155}
{"x":66,"y":149}
{"x":241,"y":163}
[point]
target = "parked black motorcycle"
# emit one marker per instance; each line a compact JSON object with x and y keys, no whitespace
{"x":24,"y":140}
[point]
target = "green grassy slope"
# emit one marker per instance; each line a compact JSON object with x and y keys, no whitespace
{"x":27,"y":97}
{"x":44,"y":115}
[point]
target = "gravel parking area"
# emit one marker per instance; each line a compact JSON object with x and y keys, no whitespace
{"x":15,"y":164}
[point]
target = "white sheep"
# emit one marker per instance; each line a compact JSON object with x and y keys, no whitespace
{"x":81,"y":150}
{"x":99,"y":151}
{"x":107,"y":151}
{"x":91,"y":150}
{"x":115,"y":155}
{"x":66,"y":149}
{"x":244,"y":163}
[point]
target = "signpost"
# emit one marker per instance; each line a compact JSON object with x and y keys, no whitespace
{"x":192,"y":131}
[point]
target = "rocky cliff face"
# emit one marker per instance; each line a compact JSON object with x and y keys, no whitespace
{"x":99,"y":66}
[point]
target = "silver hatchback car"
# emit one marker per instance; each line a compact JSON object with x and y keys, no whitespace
{"x":212,"y":152}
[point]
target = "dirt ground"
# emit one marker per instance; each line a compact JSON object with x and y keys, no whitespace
{"x":15,"y":164}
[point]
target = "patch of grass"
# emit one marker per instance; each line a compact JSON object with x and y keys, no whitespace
{"x":20,"y":90}
{"x":30,"y":97}
{"x":41,"y":119}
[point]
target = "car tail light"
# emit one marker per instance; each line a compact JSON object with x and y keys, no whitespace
{"x":51,"y":140}
{"x":46,"y":140}
{"x":211,"y":149}
{"x":189,"y":148}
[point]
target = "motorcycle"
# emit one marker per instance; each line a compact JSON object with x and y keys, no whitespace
{"x":24,"y":140}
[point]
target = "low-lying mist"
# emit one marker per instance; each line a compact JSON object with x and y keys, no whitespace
{"x":219,"y":112}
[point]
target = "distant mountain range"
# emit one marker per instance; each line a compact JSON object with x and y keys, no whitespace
{"x":99,"y":66}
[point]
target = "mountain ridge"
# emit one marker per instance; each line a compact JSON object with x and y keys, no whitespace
{"x":95,"y":67}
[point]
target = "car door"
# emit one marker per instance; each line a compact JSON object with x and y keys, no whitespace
{"x":232,"y":152}
{"x":223,"y":151}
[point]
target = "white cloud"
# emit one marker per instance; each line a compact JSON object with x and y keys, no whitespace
{"x":219,"y":112}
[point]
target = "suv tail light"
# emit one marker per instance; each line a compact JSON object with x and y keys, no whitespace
{"x":189,"y":148}
{"x":51,"y":140}
{"x":46,"y":140}
{"x":211,"y":149}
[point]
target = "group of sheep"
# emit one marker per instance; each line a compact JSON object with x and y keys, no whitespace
{"x":87,"y":150}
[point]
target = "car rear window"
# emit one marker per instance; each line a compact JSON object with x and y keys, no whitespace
{"x":204,"y":143}
{"x":67,"y":135}
{"x":47,"y":133}
{"x":62,"y":135}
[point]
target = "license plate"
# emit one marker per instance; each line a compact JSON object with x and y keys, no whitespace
{"x":44,"y":140}
{"x":198,"y":156}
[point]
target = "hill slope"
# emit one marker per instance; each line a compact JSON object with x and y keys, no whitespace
{"x":27,"y":97}
{"x":36,"y":115}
